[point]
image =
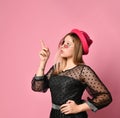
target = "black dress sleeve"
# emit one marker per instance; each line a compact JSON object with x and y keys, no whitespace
{"x":41,"y":83}
{"x":100,"y":96}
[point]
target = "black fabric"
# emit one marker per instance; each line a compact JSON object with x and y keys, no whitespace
{"x":70,"y":85}
{"x":64,"y":88}
{"x":57,"y":114}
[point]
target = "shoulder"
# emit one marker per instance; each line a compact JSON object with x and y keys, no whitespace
{"x":86,"y":68}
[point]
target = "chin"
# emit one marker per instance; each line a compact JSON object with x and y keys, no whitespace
{"x":63,"y":56}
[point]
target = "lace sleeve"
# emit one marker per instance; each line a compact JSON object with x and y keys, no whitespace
{"x":40,"y":83}
{"x":101,"y":97}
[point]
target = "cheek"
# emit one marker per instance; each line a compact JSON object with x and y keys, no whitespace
{"x":67,"y":53}
{"x":71,"y":50}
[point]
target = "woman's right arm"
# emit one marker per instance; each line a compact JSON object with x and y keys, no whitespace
{"x":40,"y":80}
{"x":40,"y":83}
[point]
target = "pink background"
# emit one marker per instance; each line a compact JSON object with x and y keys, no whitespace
{"x":24,"y":22}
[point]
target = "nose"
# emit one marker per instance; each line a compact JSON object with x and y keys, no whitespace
{"x":64,"y":46}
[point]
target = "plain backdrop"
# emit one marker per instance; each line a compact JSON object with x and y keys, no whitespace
{"x":23,"y":23}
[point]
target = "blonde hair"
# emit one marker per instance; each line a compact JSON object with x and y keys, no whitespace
{"x":77,"y":56}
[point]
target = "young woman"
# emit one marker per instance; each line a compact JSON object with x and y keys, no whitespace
{"x":69,"y":77}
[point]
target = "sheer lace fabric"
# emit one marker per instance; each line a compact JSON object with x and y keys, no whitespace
{"x":70,"y":84}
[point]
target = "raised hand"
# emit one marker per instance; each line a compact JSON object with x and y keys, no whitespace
{"x":44,"y":53}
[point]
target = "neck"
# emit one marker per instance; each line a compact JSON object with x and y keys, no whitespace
{"x":69,"y":64}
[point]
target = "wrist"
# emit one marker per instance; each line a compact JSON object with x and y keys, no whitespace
{"x":42,"y":62}
{"x":79,"y":108}
{"x":83,"y":107}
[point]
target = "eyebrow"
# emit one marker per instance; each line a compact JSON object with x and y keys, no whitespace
{"x":68,"y":41}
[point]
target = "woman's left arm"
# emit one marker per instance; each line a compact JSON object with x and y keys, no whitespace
{"x":101,"y":97}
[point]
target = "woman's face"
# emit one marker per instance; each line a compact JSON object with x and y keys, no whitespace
{"x":67,"y":47}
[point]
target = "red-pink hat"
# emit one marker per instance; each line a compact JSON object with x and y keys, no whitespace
{"x":85,"y":40}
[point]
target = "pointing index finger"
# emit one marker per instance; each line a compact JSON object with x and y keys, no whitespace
{"x":43,"y":44}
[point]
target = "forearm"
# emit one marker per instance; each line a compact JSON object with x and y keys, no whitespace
{"x":39,"y":82}
{"x":41,"y":68}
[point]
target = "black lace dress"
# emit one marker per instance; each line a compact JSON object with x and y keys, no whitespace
{"x":70,"y":85}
